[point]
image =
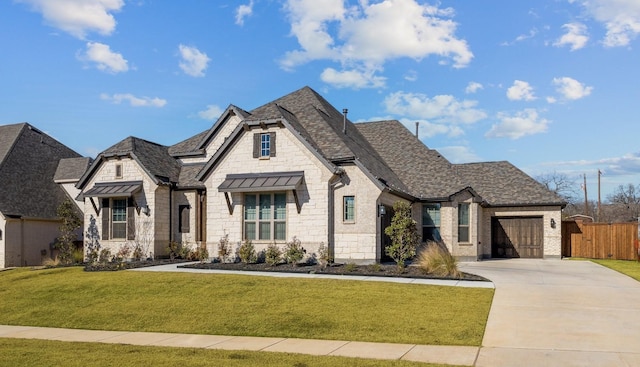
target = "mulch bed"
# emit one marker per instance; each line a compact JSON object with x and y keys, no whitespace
{"x":115,"y":266}
{"x":379,"y":270}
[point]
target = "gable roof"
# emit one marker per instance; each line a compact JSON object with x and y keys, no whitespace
{"x":28,"y":162}
{"x":326,"y":130}
{"x":503,"y":184}
{"x":427,"y":174}
{"x":153,"y":158}
{"x":71,"y":169}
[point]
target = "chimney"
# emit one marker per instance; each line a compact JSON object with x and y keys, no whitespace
{"x":417,"y":126}
{"x":344,"y":120}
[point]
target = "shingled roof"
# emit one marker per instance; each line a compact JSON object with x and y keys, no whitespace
{"x":427,"y":174}
{"x":28,"y":162}
{"x":503,"y":184}
{"x":71,"y":169}
{"x":154,"y":158}
{"x":317,"y":121}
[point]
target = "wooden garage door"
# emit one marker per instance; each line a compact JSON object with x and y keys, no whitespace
{"x":517,"y":237}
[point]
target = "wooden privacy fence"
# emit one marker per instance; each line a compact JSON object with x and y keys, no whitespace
{"x":618,"y":241}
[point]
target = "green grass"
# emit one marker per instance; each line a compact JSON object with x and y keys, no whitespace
{"x":22,"y":352}
{"x":630,"y":268}
{"x":244,"y":305}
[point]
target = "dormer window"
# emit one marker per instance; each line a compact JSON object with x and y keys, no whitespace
{"x":264,"y":145}
{"x":118,"y":170}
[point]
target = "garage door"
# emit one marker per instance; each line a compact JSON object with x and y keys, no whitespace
{"x":517,"y":237}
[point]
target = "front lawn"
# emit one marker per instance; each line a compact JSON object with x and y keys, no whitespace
{"x":21,"y":352}
{"x":244,"y":305}
{"x":630,"y":268}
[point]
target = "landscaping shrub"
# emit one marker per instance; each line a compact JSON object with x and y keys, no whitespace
{"x":201,"y":253}
{"x":272,"y":255}
{"x":247,"y":252}
{"x":293,"y":251}
{"x":92,"y":241}
{"x":123,"y":253}
{"x":403,"y":232}
{"x":435,"y":259}
{"x":105,"y":256}
{"x":323,"y":255}
{"x":71,"y":222}
{"x":224,"y":249}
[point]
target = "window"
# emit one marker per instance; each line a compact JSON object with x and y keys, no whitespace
{"x":265,"y":216}
{"x":118,"y":170}
{"x":119,"y":218}
{"x":463,"y":222}
{"x":349,"y":209}
{"x":184,"y":214}
{"x":431,"y":222}
{"x":264,"y":145}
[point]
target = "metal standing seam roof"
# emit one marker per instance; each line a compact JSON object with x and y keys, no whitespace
{"x":114,"y":189}
{"x":252,"y":182}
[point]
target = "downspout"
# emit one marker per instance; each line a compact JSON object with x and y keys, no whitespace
{"x":333,"y":182}
{"x":170,"y":213}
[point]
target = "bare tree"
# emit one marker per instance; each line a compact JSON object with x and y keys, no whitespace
{"x":626,"y":201}
{"x":561,"y":184}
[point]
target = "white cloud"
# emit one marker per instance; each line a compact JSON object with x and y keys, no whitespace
{"x":411,"y":75}
{"x":194,"y":62}
{"x":571,"y":88}
{"x":520,"y":91}
{"x":532,"y":33}
{"x":576,"y":36}
{"x":243,"y":11}
{"x":133,"y":100}
{"x":78,"y":17}
{"x":352,"y":79}
{"x":439,"y":109}
{"x":365,"y":36}
{"x":621,"y":18}
{"x":212,"y":112}
{"x":428,"y":129}
{"x":522,"y":123}
{"x":105,"y":59}
{"x":473,"y":87}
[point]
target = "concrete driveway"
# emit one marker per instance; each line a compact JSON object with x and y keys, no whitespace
{"x":559,"y":313}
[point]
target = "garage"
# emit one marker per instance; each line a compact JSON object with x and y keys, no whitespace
{"x":517,"y":237}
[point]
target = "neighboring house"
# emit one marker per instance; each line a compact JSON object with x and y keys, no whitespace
{"x":297,"y":167}
{"x":29,"y":197}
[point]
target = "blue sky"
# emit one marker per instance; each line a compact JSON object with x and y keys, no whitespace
{"x":549,"y":85}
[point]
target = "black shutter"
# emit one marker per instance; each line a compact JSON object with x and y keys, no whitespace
{"x":184,"y":219}
{"x":256,"y":145}
{"x":105,"y":219}
{"x":272,"y":144}
{"x":131,"y":220}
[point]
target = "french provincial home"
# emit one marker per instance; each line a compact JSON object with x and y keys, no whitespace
{"x":298,"y":167}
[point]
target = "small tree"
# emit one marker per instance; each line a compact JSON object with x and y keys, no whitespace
{"x":403,"y":232}
{"x":92,"y":241}
{"x":70,"y":224}
{"x":247,"y":252}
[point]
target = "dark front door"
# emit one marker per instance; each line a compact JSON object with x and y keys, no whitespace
{"x":517,"y":237}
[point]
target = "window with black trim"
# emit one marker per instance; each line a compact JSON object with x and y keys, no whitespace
{"x":265,"y":216}
{"x":349,"y":213}
{"x":463,"y":222}
{"x":431,"y":223}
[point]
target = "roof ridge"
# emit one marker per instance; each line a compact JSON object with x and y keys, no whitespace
{"x":15,"y":141}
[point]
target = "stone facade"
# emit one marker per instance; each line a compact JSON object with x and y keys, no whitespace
{"x":310,"y":225}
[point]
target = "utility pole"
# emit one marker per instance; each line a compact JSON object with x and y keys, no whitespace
{"x":599,"y":174}
{"x":586,"y":202}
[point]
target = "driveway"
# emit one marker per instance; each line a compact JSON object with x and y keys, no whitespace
{"x":559,"y":313}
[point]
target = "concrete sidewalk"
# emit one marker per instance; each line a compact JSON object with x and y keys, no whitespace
{"x":454,"y":355}
{"x":442,"y":282}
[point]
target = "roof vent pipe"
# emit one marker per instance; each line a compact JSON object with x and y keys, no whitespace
{"x":344,"y":120}
{"x":417,"y":126}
